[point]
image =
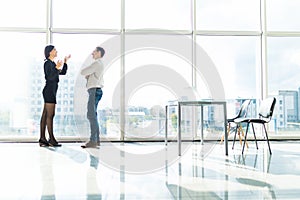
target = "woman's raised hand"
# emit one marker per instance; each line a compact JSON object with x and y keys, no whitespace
{"x":67,"y":58}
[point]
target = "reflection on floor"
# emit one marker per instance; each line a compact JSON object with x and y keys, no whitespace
{"x":149,"y":171}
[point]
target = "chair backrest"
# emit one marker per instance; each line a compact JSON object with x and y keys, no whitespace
{"x":266,"y":108}
{"x":244,"y":109}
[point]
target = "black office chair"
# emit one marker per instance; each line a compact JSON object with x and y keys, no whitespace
{"x":265,"y":115}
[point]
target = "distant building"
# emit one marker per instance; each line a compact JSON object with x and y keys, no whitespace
{"x":287,"y":109}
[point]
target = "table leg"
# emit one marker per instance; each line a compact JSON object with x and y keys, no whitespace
{"x":179,"y":129}
{"x":166,"y":126}
{"x":202,"y":135}
{"x":225,"y":129}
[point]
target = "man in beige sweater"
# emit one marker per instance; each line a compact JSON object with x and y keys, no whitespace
{"x":94,"y":76}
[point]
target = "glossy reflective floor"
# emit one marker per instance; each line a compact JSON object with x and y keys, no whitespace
{"x":149,"y":171}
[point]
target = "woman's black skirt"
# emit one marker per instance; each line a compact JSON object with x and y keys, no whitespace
{"x":49,"y":92}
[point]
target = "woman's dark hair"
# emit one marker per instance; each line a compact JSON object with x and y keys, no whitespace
{"x":47,"y":51}
{"x":101,"y":50}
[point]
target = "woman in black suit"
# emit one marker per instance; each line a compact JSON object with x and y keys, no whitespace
{"x":52,"y":71}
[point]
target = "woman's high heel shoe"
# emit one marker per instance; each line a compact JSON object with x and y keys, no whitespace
{"x":54,"y":143}
{"x":43,"y":143}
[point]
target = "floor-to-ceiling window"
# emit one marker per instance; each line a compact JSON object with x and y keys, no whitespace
{"x":283,"y":47}
{"x":22,"y":39}
{"x":150,"y":61}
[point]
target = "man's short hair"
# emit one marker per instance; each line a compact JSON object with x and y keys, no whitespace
{"x":101,"y":50}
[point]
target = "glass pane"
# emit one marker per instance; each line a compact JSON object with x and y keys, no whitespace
{"x":98,"y":14}
{"x":20,"y":88}
{"x":166,"y":14}
{"x":228,"y":15}
{"x":18,"y":13}
{"x":80,"y":46}
{"x":282,"y":15}
{"x":154,"y":77}
{"x":283,"y":83}
{"x":237,"y":61}
{"x":212,"y":122}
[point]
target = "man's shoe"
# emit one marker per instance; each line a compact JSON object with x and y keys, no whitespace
{"x":90,"y":144}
